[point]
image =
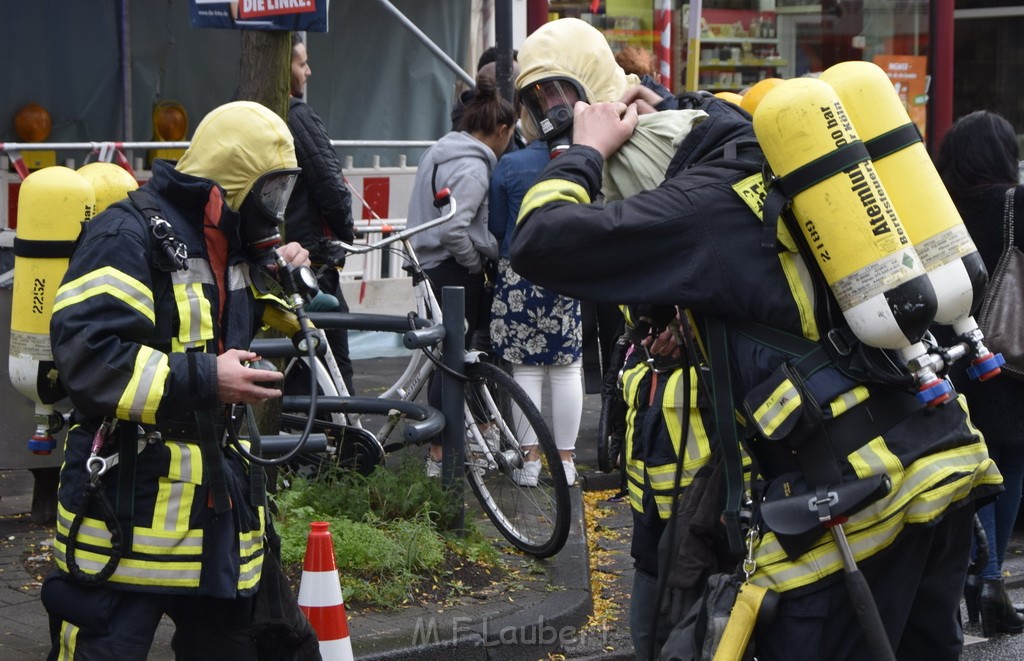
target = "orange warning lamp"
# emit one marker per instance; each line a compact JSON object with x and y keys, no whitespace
{"x":32,"y":124}
{"x":170,"y":121}
{"x":170,"y":124}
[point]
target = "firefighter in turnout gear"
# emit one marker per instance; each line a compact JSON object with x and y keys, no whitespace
{"x":827,"y":421}
{"x":667,"y":442}
{"x":150,"y":332}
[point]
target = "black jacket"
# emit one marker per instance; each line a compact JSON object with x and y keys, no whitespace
{"x":320,"y":205}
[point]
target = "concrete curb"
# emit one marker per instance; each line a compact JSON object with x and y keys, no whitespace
{"x":525,"y":634}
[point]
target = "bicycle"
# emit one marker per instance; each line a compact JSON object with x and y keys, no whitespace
{"x":501,"y":419}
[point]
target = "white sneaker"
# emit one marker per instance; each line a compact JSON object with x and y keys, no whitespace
{"x":433,"y":468}
{"x":570,"y":471}
{"x":527,"y":475}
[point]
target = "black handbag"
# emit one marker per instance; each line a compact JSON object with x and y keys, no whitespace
{"x":1001,"y":316}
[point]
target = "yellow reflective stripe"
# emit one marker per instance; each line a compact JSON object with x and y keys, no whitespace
{"x":68,"y":641}
{"x":141,"y":397}
{"x":777,"y":407}
{"x":661,"y":476}
{"x":250,"y":545}
{"x":131,"y":571}
{"x":195,"y":321}
{"x":176,"y":492}
{"x":636,"y":495}
{"x":875,"y":458}
{"x":107,"y":280}
{"x":249,"y":573}
{"x":929,"y":487}
{"x":848,"y":400}
{"x":173,"y":504}
{"x":801,"y":287}
{"x":167,"y":542}
{"x":93,"y":532}
{"x":186,"y":462}
{"x":552,"y":190}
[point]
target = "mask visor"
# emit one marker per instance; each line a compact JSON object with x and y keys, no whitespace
{"x":272,"y":190}
{"x":550,"y":103}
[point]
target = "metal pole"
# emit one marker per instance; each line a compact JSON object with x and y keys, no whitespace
{"x":693,"y":47}
{"x":449,"y":62}
{"x":453,"y":350}
{"x":125,"y":44}
{"x":503,"y":44}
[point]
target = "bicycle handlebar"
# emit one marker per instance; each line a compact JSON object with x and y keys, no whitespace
{"x":364,"y":321}
{"x":401,"y":235}
{"x":427,"y":422}
{"x":280,"y":347}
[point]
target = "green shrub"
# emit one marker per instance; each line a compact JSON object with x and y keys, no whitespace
{"x":389,"y":530}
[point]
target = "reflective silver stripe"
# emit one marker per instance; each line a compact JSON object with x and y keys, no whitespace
{"x":250,"y":573}
{"x":783,"y":400}
{"x":250,"y":545}
{"x":238,"y":277}
{"x":198,"y":271}
{"x":145,"y":541}
{"x":94,"y":533}
{"x":920,"y":495}
{"x":848,"y":400}
{"x":107,"y":280}
{"x":145,"y":388}
{"x":190,"y":299}
{"x":137,"y":572}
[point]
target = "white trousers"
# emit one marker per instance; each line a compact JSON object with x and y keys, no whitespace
{"x":566,"y":382}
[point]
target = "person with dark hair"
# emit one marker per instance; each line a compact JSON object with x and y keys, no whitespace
{"x":320,"y":208}
{"x":978,"y":164}
{"x":456,"y":253}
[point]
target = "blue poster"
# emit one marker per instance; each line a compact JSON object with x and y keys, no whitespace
{"x":294,"y":15}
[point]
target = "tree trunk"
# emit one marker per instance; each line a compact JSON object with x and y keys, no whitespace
{"x":265,"y":77}
{"x":265,"y":73}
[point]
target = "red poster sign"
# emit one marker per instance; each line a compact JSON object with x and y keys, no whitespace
{"x":909,"y":75}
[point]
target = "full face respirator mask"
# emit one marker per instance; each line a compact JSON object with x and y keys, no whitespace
{"x":550,"y":103}
{"x":262,"y":213}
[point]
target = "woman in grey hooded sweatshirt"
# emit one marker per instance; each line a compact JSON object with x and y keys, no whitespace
{"x":453,"y":254}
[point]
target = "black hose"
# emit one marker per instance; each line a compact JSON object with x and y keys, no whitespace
{"x":307,"y":332}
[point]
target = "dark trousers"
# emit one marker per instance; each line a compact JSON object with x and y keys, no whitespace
{"x":330,"y":283}
{"x":917,"y":584}
{"x":118,"y":625}
{"x":477,"y":309}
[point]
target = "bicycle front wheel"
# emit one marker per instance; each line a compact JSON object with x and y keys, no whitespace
{"x":530,"y":509}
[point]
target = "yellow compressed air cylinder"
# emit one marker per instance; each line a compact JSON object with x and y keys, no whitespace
{"x":52,"y":205}
{"x":110,"y":182}
{"x":924,"y":206}
{"x":846,"y":216}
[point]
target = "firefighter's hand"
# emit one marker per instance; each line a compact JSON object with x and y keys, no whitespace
{"x":645,"y":98}
{"x":294,"y":254}
{"x":603,"y":126}
{"x":663,"y":344}
{"x":237,"y":383}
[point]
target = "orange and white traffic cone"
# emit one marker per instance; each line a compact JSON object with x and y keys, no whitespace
{"x":320,"y":595}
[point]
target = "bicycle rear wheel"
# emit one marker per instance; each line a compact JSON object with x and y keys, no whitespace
{"x":535,"y":519}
